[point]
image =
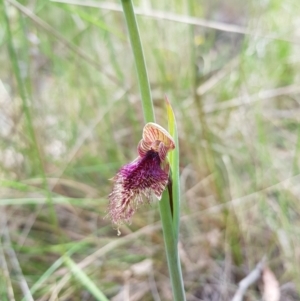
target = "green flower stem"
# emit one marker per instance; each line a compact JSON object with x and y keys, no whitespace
{"x":170,"y":229}
{"x":139,"y":60}
{"x":171,"y":249}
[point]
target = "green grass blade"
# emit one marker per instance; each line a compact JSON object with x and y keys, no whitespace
{"x":52,"y":269}
{"x":85,"y":280}
{"x":45,"y":276}
{"x":36,"y":156}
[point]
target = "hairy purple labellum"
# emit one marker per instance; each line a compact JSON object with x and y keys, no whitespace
{"x":142,"y":178}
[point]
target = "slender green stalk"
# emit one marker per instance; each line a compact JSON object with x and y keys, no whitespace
{"x":171,"y":249}
{"x":170,"y":228}
{"x":139,"y":60}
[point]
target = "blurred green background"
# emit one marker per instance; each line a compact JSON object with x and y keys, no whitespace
{"x":71,"y":117}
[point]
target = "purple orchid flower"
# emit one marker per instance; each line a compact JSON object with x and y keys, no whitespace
{"x":146,"y":176}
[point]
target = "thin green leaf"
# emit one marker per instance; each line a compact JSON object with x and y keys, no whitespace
{"x":85,"y":280}
{"x":174,"y":163}
{"x":45,"y":277}
{"x":52,"y":269}
{"x":26,"y":104}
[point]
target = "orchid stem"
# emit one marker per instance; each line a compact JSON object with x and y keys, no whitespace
{"x":171,"y":249}
{"x":170,"y":230}
{"x":139,"y":60}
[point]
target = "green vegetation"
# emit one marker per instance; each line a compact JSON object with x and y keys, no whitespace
{"x":71,"y":116}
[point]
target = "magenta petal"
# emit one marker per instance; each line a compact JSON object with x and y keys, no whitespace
{"x":143,"y":176}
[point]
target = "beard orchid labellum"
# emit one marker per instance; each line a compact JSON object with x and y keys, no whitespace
{"x":146,"y":176}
